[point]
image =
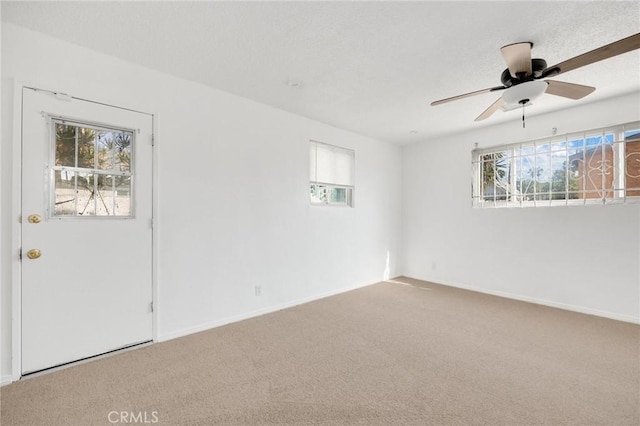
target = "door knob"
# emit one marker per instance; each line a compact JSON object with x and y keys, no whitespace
{"x":34,"y":254}
{"x":34,"y":218}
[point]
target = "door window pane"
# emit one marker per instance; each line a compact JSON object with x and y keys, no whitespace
{"x":91,"y":171}
{"x":122,"y":144}
{"x":105,"y":200}
{"x":65,"y":145}
{"x":105,"y":151}
{"x":64,"y":193}
{"x":86,"y":200}
{"x":86,"y":147}
{"x":123,"y":196}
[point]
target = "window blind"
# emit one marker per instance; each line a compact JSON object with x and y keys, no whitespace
{"x":331,"y":164}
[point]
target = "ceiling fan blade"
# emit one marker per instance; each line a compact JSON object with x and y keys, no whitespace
{"x":467,"y":95}
{"x":489,"y":111}
{"x":568,"y":90}
{"x":605,"y":52}
{"x":518,"y":58}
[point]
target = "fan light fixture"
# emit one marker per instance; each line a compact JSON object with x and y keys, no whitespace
{"x":521,"y":81}
{"x":524,"y":92}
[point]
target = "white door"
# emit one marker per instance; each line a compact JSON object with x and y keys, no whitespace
{"x":86,"y":229}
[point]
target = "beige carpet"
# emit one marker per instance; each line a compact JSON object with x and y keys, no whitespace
{"x":388,"y":354}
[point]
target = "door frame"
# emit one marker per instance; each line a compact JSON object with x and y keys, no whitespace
{"x":16,"y":220}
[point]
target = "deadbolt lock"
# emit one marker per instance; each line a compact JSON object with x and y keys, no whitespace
{"x":34,"y":254}
{"x":34,"y":218}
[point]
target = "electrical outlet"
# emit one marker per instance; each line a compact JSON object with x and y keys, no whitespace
{"x":433,"y":266}
{"x":258,"y":290}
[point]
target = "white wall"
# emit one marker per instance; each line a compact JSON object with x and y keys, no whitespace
{"x":584,"y":258}
{"x":233,"y":191}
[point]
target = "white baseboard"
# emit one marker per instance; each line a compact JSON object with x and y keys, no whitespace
{"x":252,"y":314}
{"x":5,"y":380}
{"x":559,"y":305}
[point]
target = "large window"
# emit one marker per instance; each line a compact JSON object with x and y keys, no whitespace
{"x":331,"y":171}
{"x":593,"y":167}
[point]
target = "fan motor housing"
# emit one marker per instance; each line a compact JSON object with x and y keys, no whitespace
{"x":537,"y":66}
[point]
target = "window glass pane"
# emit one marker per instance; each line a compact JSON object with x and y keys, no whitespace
{"x":122,"y":145}
{"x":123,"y":196}
{"x":338,"y":196}
{"x":593,"y":164}
{"x":598,"y":170}
{"x":632,"y":135}
{"x":525,"y":182}
{"x":576,"y":196}
{"x":632,"y":161}
{"x":104,"y":205}
{"x":609,"y":138}
{"x":65,"y":145}
{"x":559,"y":176}
{"x":593,"y":140}
{"x":106,"y":149}
{"x":487,"y":177}
{"x":576,"y":153}
{"x":543,"y":147}
{"x":541,"y":172}
{"x":318,"y":193}
{"x":86,"y":147}
{"x":559,"y":146}
{"x":86,"y":199}
{"x":496,"y":175}
{"x":608,"y":169}
{"x":114,"y":151}
{"x":503,"y":175}
{"x":64,"y":193}
{"x":526,"y":150}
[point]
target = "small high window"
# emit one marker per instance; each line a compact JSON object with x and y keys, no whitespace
{"x":331,"y":174}
{"x":593,"y":167}
{"x":91,"y":170}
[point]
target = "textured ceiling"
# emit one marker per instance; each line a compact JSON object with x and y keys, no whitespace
{"x":370,"y":67}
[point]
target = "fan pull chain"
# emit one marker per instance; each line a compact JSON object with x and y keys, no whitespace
{"x":523,"y":126}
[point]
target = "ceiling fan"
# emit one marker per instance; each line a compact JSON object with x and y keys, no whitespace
{"x":523,"y":80}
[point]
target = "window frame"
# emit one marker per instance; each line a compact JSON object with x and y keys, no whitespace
{"x":52,"y":168}
{"x":349,"y":189}
{"x":513,"y":198}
